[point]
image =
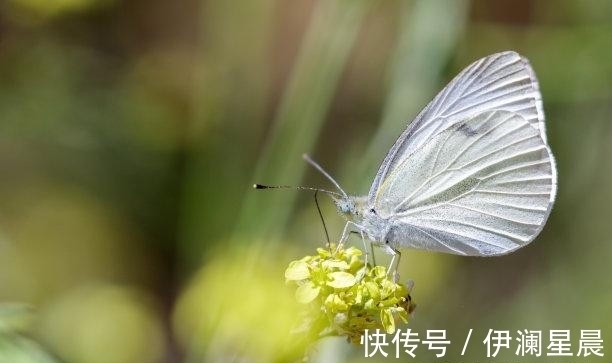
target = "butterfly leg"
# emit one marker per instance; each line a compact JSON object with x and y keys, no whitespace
{"x":396,"y":276}
{"x":355,"y":228}
{"x":345,"y":235}
{"x":395,"y":260}
{"x":365,"y":247}
{"x":367,"y":251}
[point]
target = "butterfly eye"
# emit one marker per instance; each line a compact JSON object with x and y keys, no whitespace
{"x":372,"y":211}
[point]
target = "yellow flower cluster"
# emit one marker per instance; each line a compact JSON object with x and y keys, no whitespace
{"x":345,"y":296}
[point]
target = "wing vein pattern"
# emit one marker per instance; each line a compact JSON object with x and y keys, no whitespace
{"x":482,"y":186}
{"x":501,"y":81}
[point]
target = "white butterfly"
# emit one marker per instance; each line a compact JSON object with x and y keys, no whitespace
{"x":473,"y":173}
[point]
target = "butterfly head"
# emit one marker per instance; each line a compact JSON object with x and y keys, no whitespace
{"x":350,"y":207}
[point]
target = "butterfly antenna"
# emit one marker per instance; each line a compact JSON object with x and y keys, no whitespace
{"x":322,"y":219}
{"x":316,"y":192}
{"x":307,"y":158}
{"x":263,"y":186}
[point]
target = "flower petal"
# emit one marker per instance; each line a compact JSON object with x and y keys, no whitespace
{"x":341,"y":280}
{"x":297,"y":270}
{"x":336,"y":264}
{"x":307,"y":292}
{"x":386,"y":317}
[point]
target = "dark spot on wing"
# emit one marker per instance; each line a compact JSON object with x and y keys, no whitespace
{"x":468,"y":131}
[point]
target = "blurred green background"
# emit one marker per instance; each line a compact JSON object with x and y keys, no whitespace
{"x":131,"y":132}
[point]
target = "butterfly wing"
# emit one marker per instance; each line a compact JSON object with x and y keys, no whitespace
{"x":484,"y":186}
{"x":502,"y":81}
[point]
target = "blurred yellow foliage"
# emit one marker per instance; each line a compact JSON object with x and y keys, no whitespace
{"x":104,"y":324}
{"x":48,"y":8}
{"x":235,"y":308}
